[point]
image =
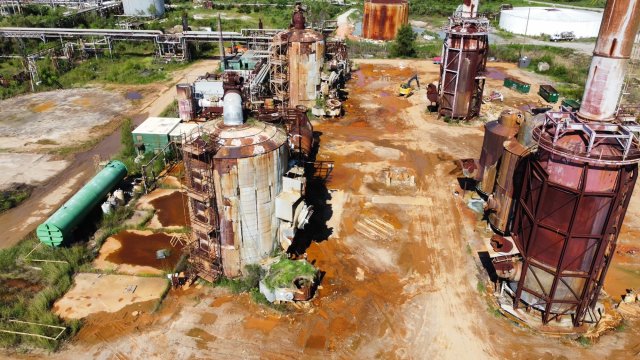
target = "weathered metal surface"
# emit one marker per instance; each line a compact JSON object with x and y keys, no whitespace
{"x":572,"y":203}
{"x":500,"y":203}
{"x":299,"y":131}
{"x":234,"y":174}
{"x":495,"y":134}
{"x":620,"y":25}
{"x":306,"y":58}
{"x":462,"y":78}
{"x":383,"y":18}
{"x":186,"y":108}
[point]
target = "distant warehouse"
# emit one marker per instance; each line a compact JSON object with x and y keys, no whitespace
{"x":537,"y":21}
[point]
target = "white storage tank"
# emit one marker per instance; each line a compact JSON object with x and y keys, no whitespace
{"x":143,"y":7}
{"x":537,"y":21}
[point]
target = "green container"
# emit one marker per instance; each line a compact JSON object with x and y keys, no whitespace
{"x":574,"y":105}
{"x":549,"y":93}
{"x":59,"y":226}
{"x":517,"y":85}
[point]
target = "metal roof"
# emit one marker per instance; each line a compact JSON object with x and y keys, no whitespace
{"x":157,"y":126}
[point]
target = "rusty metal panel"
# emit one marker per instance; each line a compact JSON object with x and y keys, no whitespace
{"x":186,"y":108}
{"x":500,"y":203}
{"x":306,"y":58}
{"x":495,"y":134}
{"x":383,"y":18}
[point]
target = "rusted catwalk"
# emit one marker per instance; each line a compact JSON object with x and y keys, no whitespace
{"x":577,"y":187}
{"x":464,"y":59}
{"x":383,"y":18}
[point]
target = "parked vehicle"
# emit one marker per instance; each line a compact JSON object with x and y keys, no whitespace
{"x":563,"y":36}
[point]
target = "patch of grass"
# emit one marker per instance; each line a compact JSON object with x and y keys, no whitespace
{"x":584,"y":341}
{"x":171,"y":110}
{"x":14,"y":196}
{"x":469,"y":250}
{"x":480,"y":286}
{"x":244,"y":284}
{"x":164,"y":294}
{"x":46,"y":142}
{"x":282,"y":273}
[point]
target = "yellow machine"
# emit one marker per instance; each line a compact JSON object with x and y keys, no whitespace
{"x":406,"y":89}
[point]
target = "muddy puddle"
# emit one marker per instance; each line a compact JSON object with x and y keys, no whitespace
{"x":140,"y":250}
{"x":172,"y":209}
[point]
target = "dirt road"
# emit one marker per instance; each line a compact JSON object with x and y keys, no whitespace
{"x":45,"y":199}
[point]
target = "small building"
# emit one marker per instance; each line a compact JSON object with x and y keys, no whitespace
{"x":153,"y":134}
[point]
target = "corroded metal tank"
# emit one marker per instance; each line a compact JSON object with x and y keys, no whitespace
{"x":306,"y":58}
{"x":574,"y":196}
{"x":247,"y":173}
{"x":495,"y":134}
{"x":464,"y":60}
{"x":383,"y":18}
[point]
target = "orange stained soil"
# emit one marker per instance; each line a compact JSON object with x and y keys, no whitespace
{"x":172,"y":209}
{"x":45,"y":106}
{"x":140,"y":250}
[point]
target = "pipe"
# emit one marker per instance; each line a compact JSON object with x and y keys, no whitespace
{"x":470,"y":8}
{"x":620,"y":24}
{"x":232,"y":112}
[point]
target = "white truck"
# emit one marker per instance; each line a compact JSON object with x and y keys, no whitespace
{"x":563,"y":36}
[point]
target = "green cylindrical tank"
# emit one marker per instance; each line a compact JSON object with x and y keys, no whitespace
{"x":60,"y":225}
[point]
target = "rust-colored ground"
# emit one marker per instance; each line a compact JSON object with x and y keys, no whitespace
{"x":400,"y":264}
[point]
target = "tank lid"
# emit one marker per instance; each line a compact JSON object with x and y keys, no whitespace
{"x":249,"y":139}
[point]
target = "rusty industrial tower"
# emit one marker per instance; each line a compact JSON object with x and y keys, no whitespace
{"x":383,"y":18}
{"x":464,"y":59}
{"x":577,"y":186}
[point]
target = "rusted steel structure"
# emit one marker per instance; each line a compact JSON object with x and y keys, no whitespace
{"x":573,"y":200}
{"x":296,"y":61}
{"x":464,"y":60}
{"x":613,"y":50}
{"x":383,"y":18}
{"x":495,"y":134}
{"x":565,"y":184}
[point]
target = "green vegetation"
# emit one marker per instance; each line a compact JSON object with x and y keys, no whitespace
{"x":244,"y":284}
{"x":12,"y":197}
{"x":404,"y":45}
{"x":584,"y":341}
{"x":54,"y":278}
{"x":282,"y":273}
{"x":447,"y":7}
{"x":567,"y":67}
{"x":481,"y":287}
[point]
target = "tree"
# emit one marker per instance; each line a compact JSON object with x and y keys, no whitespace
{"x":404,"y":45}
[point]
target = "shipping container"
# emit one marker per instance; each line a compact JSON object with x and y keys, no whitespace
{"x":153,"y":134}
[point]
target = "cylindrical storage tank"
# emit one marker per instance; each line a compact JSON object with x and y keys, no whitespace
{"x":383,"y":18}
{"x":536,"y":21}
{"x":495,"y":134}
{"x":247,"y":172}
{"x":143,"y":7}
{"x":61,"y":224}
{"x":306,"y":58}
{"x":186,"y":108}
{"x":232,"y":112}
{"x":464,"y":59}
{"x":570,"y":210}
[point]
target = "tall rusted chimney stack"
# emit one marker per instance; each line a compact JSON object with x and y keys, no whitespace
{"x":620,"y":23}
